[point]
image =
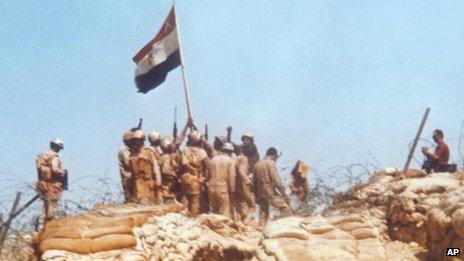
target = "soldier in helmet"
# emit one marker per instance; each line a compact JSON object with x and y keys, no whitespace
{"x":123,"y":162}
{"x":220,"y":177}
{"x":169,"y":166}
{"x":155,"y":140}
{"x":249,"y":149}
{"x":215,"y":148}
{"x":193,"y":164}
{"x":144,"y":169}
{"x":51,"y":174}
{"x":269,"y":190}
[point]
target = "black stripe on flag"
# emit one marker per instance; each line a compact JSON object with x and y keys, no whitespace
{"x":157,"y":75}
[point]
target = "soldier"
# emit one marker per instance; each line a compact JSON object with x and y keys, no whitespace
{"x":245,"y":202}
{"x":51,"y":175}
{"x":193,"y":165}
{"x":220,"y":176}
{"x":269,"y":190}
{"x":249,"y":149}
{"x":437,"y":161}
{"x":215,"y":148}
{"x":169,"y":166}
{"x":123,"y":162}
{"x":145,"y":172}
{"x":155,"y":140}
{"x":299,"y":185}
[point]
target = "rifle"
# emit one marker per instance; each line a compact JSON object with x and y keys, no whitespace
{"x":229,"y":134}
{"x":206,"y":132}
{"x":174,"y":128}
{"x":64,"y":180}
{"x":139,"y":127}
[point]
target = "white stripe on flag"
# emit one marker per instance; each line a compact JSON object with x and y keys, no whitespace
{"x":159,"y":53}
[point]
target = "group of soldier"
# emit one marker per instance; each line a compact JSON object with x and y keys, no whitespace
{"x":219,"y":177}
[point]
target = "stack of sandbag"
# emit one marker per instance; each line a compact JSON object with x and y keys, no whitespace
{"x":344,"y":237}
{"x":104,"y":233}
{"x":90,"y":234}
{"x":208,"y":237}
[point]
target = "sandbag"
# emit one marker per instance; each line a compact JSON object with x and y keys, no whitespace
{"x":88,"y":245}
{"x":102,"y":231}
{"x":317,"y":229}
{"x":113,"y":242}
{"x":343,"y":219}
{"x":349,"y":226}
{"x":68,"y":222}
{"x":337,"y":234}
{"x":111,"y":221}
{"x":95,"y":227}
{"x":64,"y":232}
{"x":80,"y":245}
{"x":278,"y":230}
{"x":361,"y":233}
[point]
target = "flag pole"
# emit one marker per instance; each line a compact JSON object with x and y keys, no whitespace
{"x":184,"y":77}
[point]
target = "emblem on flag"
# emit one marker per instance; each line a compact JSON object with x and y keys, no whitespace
{"x":158,"y":57}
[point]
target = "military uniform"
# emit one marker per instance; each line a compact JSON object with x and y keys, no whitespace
{"x":192,"y":181}
{"x":220,"y":176}
{"x":123,"y":162}
{"x":50,"y":187}
{"x":299,"y":185}
{"x":169,"y":169}
{"x":245,"y":203}
{"x":146,"y":177}
{"x":267,"y":183}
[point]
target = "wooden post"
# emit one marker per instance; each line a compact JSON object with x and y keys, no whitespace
{"x":7,"y":224}
{"x":25,"y":206}
{"x":416,"y":140}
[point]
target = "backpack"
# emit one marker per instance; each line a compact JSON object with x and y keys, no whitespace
{"x":44,"y":172}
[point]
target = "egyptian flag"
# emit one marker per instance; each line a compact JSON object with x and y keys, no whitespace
{"x":158,"y":57}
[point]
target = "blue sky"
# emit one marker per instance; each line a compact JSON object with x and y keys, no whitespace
{"x":328,"y":82}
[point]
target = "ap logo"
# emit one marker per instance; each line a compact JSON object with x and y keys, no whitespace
{"x":452,"y":252}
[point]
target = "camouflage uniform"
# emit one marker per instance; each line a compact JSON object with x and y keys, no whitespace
{"x":220,"y":176}
{"x":193,"y":160}
{"x":145,"y":176}
{"x":123,"y":162}
{"x":245,"y":204}
{"x":49,"y":186}
{"x":169,"y":169}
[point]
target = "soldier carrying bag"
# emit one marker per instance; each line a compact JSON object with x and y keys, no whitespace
{"x":44,"y":171}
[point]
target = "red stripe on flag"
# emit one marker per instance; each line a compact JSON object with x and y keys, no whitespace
{"x":168,"y":26}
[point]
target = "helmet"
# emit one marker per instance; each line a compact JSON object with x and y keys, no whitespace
{"x":138,"y":134}
{"x":228,"y":147}
{"x":248,"y":135}
{"x":166,"y":142}
{"x":154,"y":136}
{"x":221,"y":138}
{"x":194,"y":136}
{"x":58,"y":142}
{"x":127,"y":136}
